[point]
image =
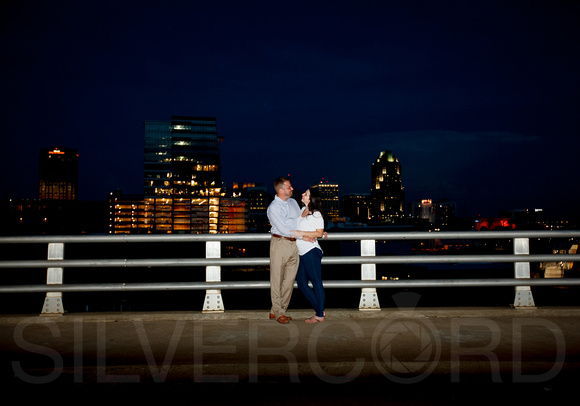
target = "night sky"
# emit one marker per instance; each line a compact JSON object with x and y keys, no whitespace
{"x":479,"y":100}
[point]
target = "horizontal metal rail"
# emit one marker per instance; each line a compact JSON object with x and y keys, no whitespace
{"x":368,"y":260}
{"x":347,"y":260}
{"x":332,"y":236}
{"x":394,"y":284}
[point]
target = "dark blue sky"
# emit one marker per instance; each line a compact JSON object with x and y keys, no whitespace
{"x":479,"y":100}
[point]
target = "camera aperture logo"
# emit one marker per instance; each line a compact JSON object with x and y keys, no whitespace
{"x":406,"y":350}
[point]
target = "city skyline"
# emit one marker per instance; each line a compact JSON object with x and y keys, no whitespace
{"x":229,"y":185}
{"x":477,"y":100}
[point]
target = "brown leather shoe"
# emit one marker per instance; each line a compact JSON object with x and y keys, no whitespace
{"x":273,"y":317}
{"x":283,"y":319}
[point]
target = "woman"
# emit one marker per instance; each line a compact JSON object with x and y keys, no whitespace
{"x":311,"y":225}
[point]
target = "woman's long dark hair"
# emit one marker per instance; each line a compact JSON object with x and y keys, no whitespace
{"x":315,"y":201}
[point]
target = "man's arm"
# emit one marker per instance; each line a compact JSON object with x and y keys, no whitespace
{"x":278,"y":219}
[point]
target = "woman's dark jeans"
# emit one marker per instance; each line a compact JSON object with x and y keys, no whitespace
{"x":310,"y":269}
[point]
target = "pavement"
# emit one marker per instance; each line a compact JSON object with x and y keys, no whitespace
{"x":433,"y":356}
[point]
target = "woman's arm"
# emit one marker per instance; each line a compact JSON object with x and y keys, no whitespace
{"x":309,"y":234}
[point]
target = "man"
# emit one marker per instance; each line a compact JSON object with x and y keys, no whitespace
{"x":283,"y":214}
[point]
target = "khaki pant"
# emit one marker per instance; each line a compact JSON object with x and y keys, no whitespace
{"x":284,"y":261}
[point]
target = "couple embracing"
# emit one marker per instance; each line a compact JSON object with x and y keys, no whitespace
{"x":294,"y":250}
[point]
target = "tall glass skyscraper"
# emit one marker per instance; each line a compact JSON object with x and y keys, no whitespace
{"x":182,"y":175}
{"x":387,"y":194}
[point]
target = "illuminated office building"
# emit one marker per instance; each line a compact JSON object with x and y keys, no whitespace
{"x":387,"y":194}
{"x":233,"y":215}
{"x":182,"y":175}
{"x":58,"y":174}
{"x":439,"y":214}
{"x":182,"y":184}
{"x":257,"y":198}
{"x":329,"y":196}
{"x":127,"y":214}
{"x":356,"y":207}
{"x":132,"y":214}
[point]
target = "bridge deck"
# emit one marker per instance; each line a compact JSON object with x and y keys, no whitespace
{"x":421,"y":355}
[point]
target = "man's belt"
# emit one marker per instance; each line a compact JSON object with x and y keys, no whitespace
{"x":286,"y":238}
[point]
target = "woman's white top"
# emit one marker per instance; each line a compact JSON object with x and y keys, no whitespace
{"x":312,"y":222}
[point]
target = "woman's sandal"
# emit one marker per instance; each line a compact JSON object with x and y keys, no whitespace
{"x":314,"y":319}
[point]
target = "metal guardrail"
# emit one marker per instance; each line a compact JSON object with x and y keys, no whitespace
{"x":213,"y":262}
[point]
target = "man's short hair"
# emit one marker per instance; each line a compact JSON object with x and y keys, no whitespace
{"x":279,"y":182}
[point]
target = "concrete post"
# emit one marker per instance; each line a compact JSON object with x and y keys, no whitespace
{"x":213,"y":297}
{"x":524,"y":298}
{"x":369,"y":299}
{"x":53,"y":302}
